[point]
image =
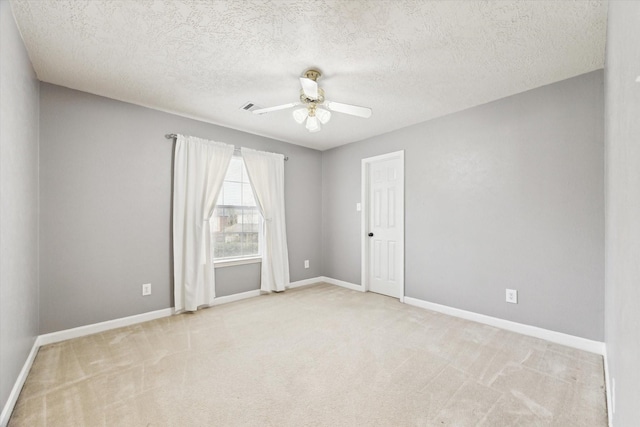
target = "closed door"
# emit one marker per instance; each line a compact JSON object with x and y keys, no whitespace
{"x":385,"y":234}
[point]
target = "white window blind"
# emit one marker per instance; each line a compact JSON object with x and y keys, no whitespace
{"x":236,"y":221}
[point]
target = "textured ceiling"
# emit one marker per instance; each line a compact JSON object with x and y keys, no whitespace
{"x":409,"y":60}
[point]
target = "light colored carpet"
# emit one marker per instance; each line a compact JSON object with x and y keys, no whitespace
{"x":314,"y":356}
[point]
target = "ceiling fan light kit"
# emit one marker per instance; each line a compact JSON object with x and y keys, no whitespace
{"x":323,"y":115}
{"x":316,"y":110}
{"x":312,"y":124}
{"x":300,"y":115}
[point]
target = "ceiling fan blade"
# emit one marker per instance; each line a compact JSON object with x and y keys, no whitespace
{"x":354,"y":110}
{"x":276,"y":108}
{"x":309,"y":87}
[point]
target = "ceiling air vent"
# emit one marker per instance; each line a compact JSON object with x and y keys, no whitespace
{"x":249,"y":106}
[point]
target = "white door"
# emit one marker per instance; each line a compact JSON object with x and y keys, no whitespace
{"x":384,"y":224}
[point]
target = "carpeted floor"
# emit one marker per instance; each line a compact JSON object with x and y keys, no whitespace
{"x":313,"y":356}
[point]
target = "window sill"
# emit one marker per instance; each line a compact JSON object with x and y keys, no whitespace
{"x":238,"y":261}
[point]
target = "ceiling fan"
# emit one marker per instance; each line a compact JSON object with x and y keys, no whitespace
{"x":316,"y":108}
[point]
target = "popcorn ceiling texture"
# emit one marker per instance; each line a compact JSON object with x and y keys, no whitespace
{"x":410,"y":61}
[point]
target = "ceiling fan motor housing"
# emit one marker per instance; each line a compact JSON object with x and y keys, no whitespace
{"x":306,"y":100}
{"x":315,"y":111}
{"x":312,"y":74}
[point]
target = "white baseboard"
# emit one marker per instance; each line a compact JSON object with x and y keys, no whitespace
{"x":545,"y":334}
{"x":556,"y":337}
{"x":305,"y":282}
{"x":17,"y":386}
{"x":342,"y":283}
{"x":235,"y":297}
{"x":82,"y":331}
{"x":608,"y":388}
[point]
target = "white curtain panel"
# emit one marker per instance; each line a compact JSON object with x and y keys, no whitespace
{"x":266,"y":174}
{"x":199,"y":170}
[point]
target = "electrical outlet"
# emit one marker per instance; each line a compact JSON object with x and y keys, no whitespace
{"x":358,"y":207}
{"x":306,"y":263}
{"x":146,"y":289}
{"x":512,"y":296}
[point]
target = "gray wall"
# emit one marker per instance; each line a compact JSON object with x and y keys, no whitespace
{"x":18,"y":204}
{"x":622,"y":120}
{"x":505,"y":195}
{"x":105,"y":181}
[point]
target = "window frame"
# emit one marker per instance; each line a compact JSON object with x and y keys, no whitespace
{"x":239,"y":260}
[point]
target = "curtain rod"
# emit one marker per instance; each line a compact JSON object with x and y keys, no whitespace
{"x":174,"y":136}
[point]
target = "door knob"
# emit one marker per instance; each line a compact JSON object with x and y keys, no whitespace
{"x":370,"y":234}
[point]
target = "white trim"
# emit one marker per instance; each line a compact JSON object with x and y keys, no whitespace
{"x":82,"y":331}
{"x":364,"y":225}
{"x":235,"y":297}
{"x":545,"y":334}
{"x":17,"y":386}
{"x":607,"y":388}
{"x":343,"y":284}
{"x":237,"y":261}
{"x":364,"y":218}
{"x":305,"y":282}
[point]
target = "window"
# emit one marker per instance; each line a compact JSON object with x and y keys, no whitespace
{"x":236,"y":221}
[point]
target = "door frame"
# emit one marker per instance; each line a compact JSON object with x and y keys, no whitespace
{"x":364,"y":218}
